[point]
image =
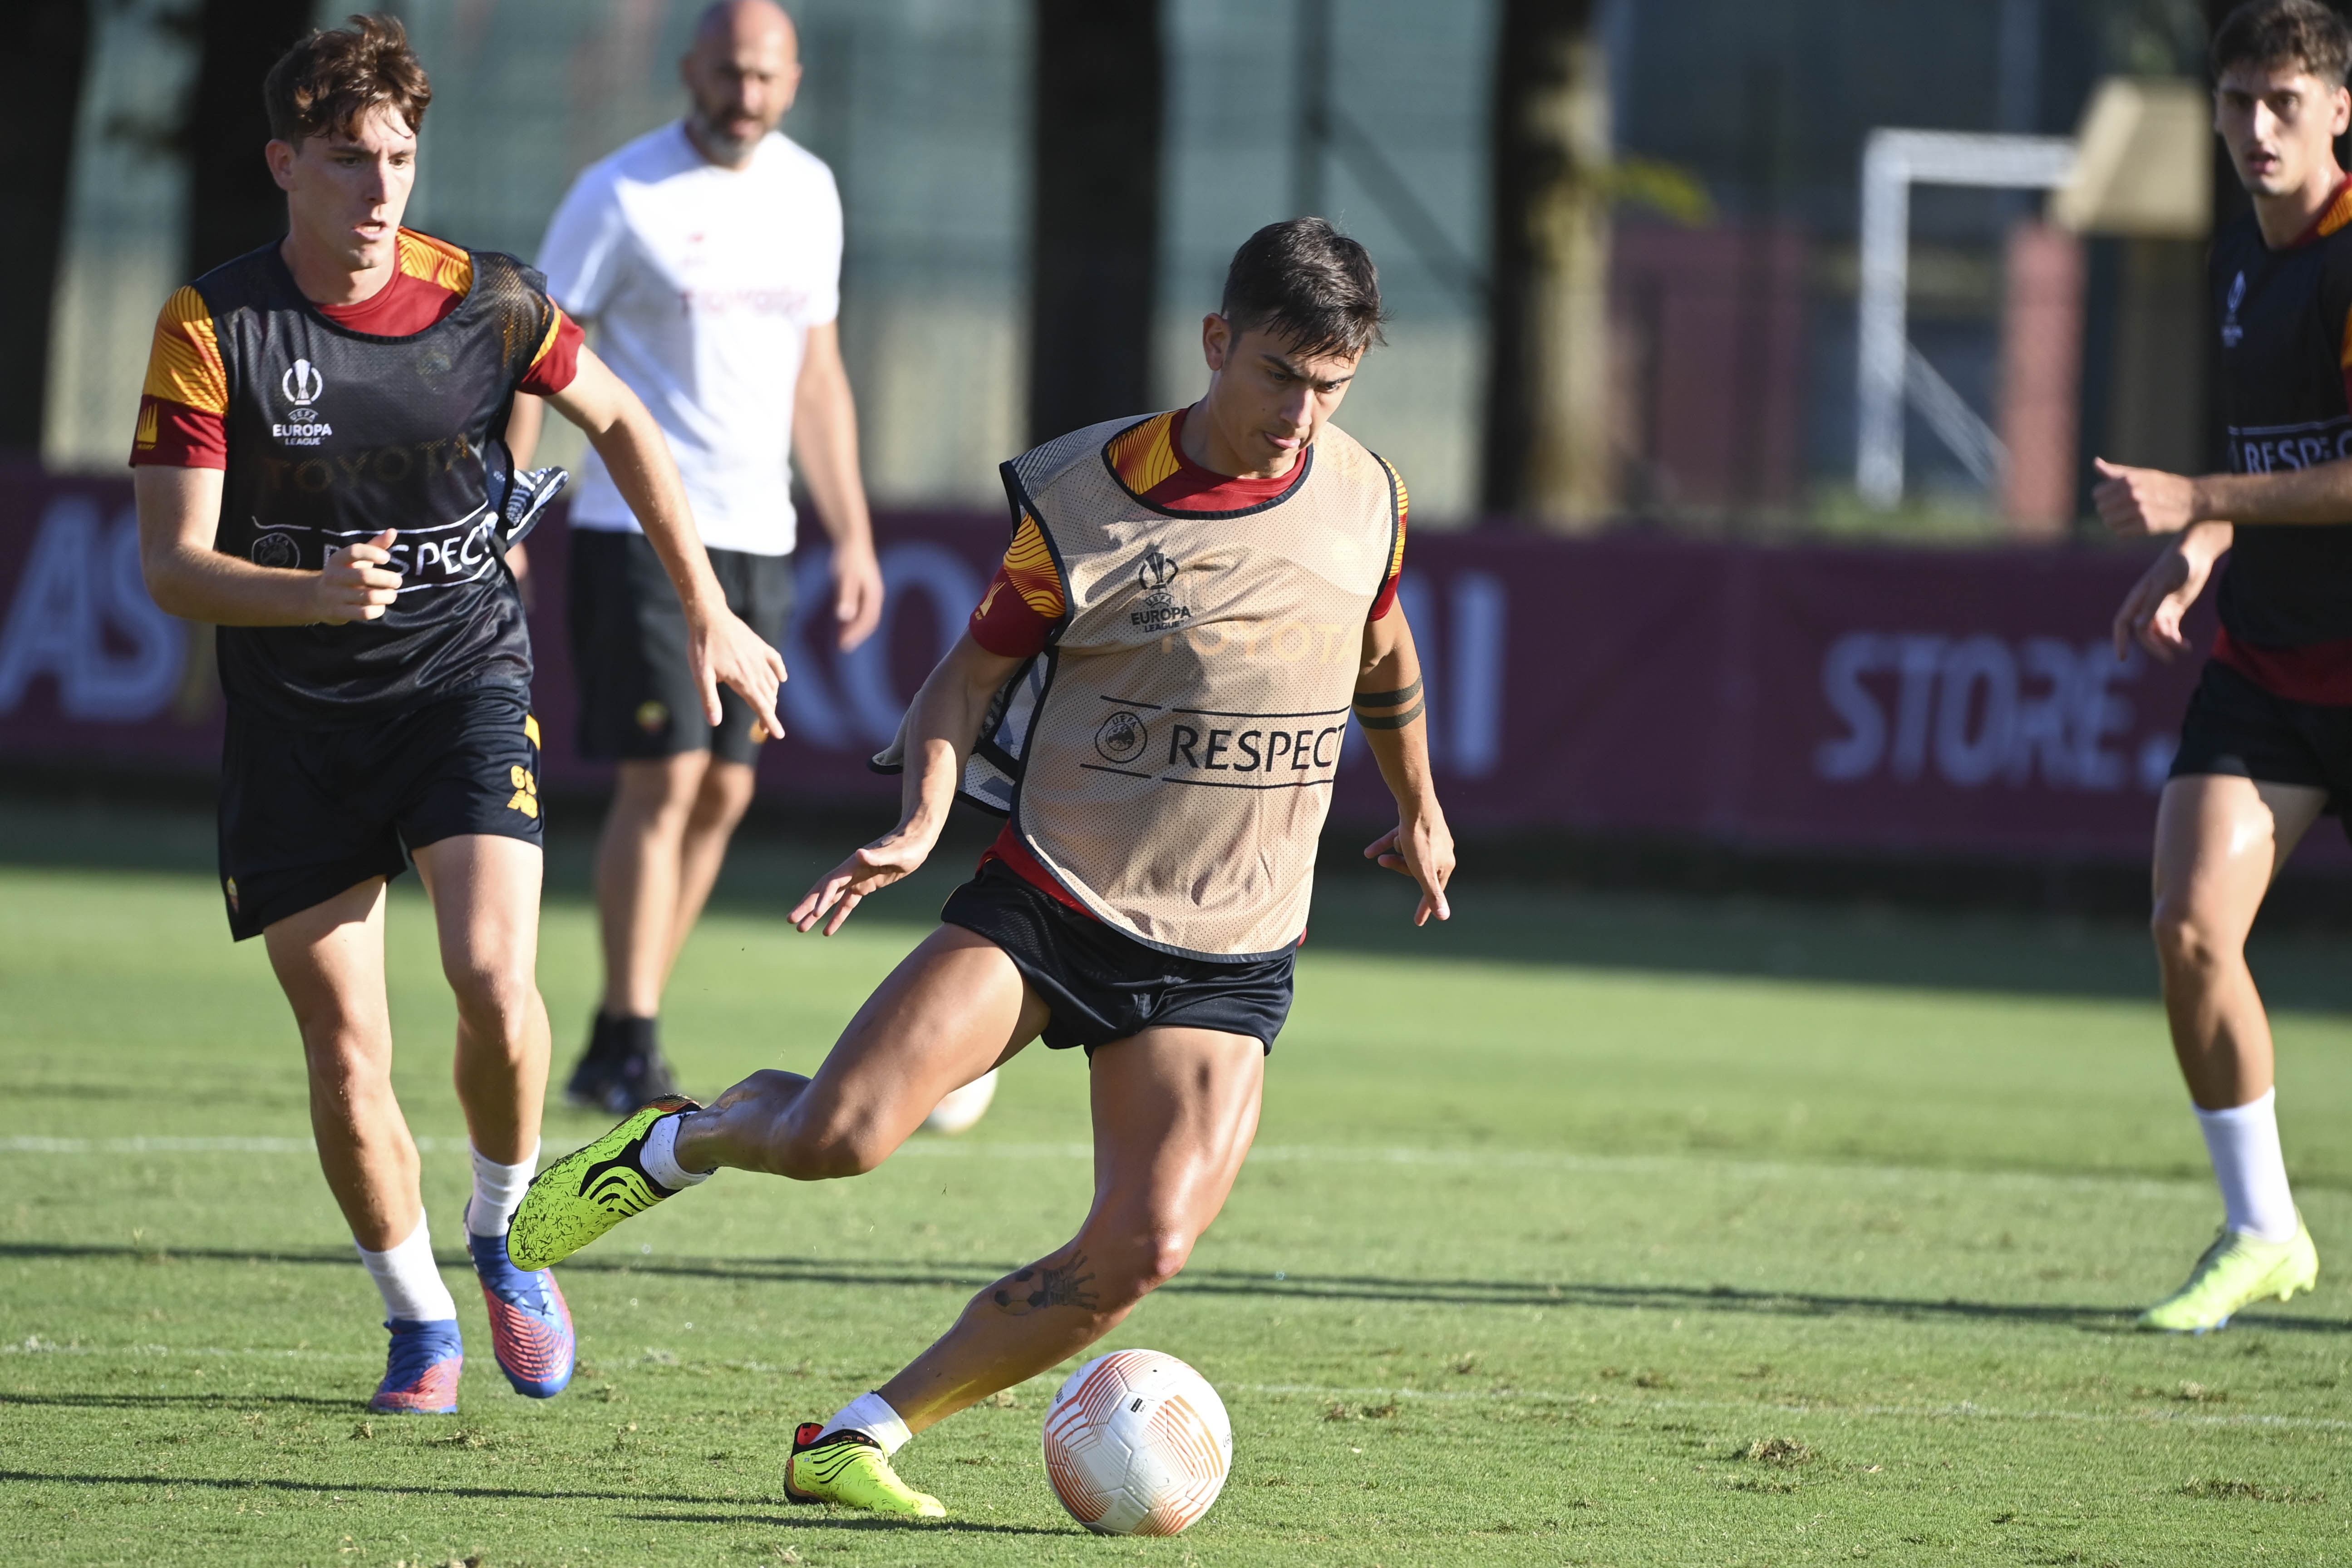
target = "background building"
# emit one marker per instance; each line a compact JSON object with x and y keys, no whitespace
{"x":1725,"y":186}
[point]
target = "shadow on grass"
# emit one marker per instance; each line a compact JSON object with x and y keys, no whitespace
{"x":802,"y":1520}
{"x":1297,"y":1286}
{"x":518,"y":1494}
{"x":340,"y":1488}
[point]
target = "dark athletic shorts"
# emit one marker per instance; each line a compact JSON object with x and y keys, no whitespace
{"x":1104,"y":986}
{"x":2236,"y":727}
{"x":638,"y":696}
{"x":307,"y":813}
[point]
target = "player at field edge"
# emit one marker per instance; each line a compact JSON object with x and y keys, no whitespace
{"x":317,"y":471}
{"x":1155,"y":687}
{"x":2266,"y":746}
{"x":706,"y":257}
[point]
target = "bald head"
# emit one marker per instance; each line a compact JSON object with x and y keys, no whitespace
{"x":742,"y":71}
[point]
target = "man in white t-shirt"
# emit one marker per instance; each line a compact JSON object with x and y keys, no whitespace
{"x":707,"y":259}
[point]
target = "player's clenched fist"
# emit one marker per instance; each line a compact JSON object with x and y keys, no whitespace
{"x":2138,"y":502}
{"x":358,"y":583}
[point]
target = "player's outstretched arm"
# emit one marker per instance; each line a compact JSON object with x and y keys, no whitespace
{"x":2152,"y":611}
{"x":179,"y":517}
{"x":941,"y":725}
{"x":1393,"y":712}
{"x":2136,"y":502}
{"x":722,"y":649}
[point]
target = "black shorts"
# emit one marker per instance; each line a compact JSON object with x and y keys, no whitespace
{"x":1107,"y":986}
{"x":2237,"y":728}
{"x":1104,"y":986}
{"x":307,"y":813}
{"x":638,"y":696}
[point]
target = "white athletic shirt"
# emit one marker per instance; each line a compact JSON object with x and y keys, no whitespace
{"x":702,"y":283}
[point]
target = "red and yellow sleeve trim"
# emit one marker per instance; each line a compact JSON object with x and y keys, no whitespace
{"x":1145,"y":457}
{"x":436,"y":261}
{"x":185,"y":365}
{"x":1029,"y":568}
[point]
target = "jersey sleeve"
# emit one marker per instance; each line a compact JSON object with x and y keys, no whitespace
{"x":1385,"y":600}
{"x":1024,"y":600}
{"x":824,"y":304}
{"x":583,"y":251}
{"x":558,"y":359}
{"x":184,"y":405}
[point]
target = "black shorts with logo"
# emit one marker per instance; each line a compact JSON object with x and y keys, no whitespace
{"x":638,"y":696}
{"x":2235,"y":727}
{"x":307,"y":812}
{"x":1102,"y":984}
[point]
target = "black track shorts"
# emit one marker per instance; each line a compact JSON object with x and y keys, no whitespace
{"x":305,"y":813}
{"x":1102,"y":984}
{"x":2237,"y":728}
{"x":638,"y":696}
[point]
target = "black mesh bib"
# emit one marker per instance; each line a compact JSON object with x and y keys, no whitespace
{"x":335,"y":436}
{"x":2280,"y":316}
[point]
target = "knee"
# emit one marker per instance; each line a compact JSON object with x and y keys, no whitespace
{"x":724,"y":797}
{"x":495,"y":1000}
{"x":1129,"y":1269}
{"x":2186,"y":941}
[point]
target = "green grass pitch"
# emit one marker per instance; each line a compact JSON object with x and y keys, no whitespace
{"x":1589,"y":1230}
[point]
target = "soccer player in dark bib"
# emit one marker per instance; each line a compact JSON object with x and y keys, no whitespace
{"x":1154,"y":690}
{"x":317,"y":465}
{"x":2266,"y":747}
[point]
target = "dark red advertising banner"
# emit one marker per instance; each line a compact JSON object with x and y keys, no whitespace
{"x":1837,"y":699}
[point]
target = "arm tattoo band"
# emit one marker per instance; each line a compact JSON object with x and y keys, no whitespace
{"x":1389,"y":699}
{"x":1394,"y":720}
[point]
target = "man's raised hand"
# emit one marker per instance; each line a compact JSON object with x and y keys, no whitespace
{"x":358,"y":583}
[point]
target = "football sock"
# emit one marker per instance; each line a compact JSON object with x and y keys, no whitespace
{"x":497,"y":1190}
{"x":2243,"y":1142}
{"x":603,"y":1040}
{"x":631,"y":1036}
{"x":410,"y":1280}
{"x":872,"y":1415}
{"x":659,"y":1156}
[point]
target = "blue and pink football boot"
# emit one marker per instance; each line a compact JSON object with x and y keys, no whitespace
{"x":420,"y":1376}
{"x":531,"y":1326}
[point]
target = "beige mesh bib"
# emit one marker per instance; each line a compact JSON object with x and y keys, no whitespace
{"x":1174,"y":758}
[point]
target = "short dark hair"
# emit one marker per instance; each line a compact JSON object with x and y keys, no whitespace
{"x":2265,"y":32}
{"x":1307,"y":284}
{"x":329,"y":82}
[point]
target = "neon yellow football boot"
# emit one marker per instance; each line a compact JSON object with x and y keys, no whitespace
{"x":2236,"y":1271}
{"x":850,"y":1468}
{"x":590,"y":1190}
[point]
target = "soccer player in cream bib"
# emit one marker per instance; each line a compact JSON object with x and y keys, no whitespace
{"x":1192,"y":603}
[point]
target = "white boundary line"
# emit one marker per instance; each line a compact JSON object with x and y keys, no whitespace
{"x":1964,"y":1411}
{"x":1278,"y":1153}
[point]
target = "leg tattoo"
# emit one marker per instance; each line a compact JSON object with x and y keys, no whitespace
{"x":1049,"y":1285}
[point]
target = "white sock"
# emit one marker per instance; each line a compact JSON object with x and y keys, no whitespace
{"x":497,"y":1192}
{"x":2243,"y":1142}
{"x":660,"y":1156}
{"x":870,"y":1414}
{"x":410,"y":1280}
